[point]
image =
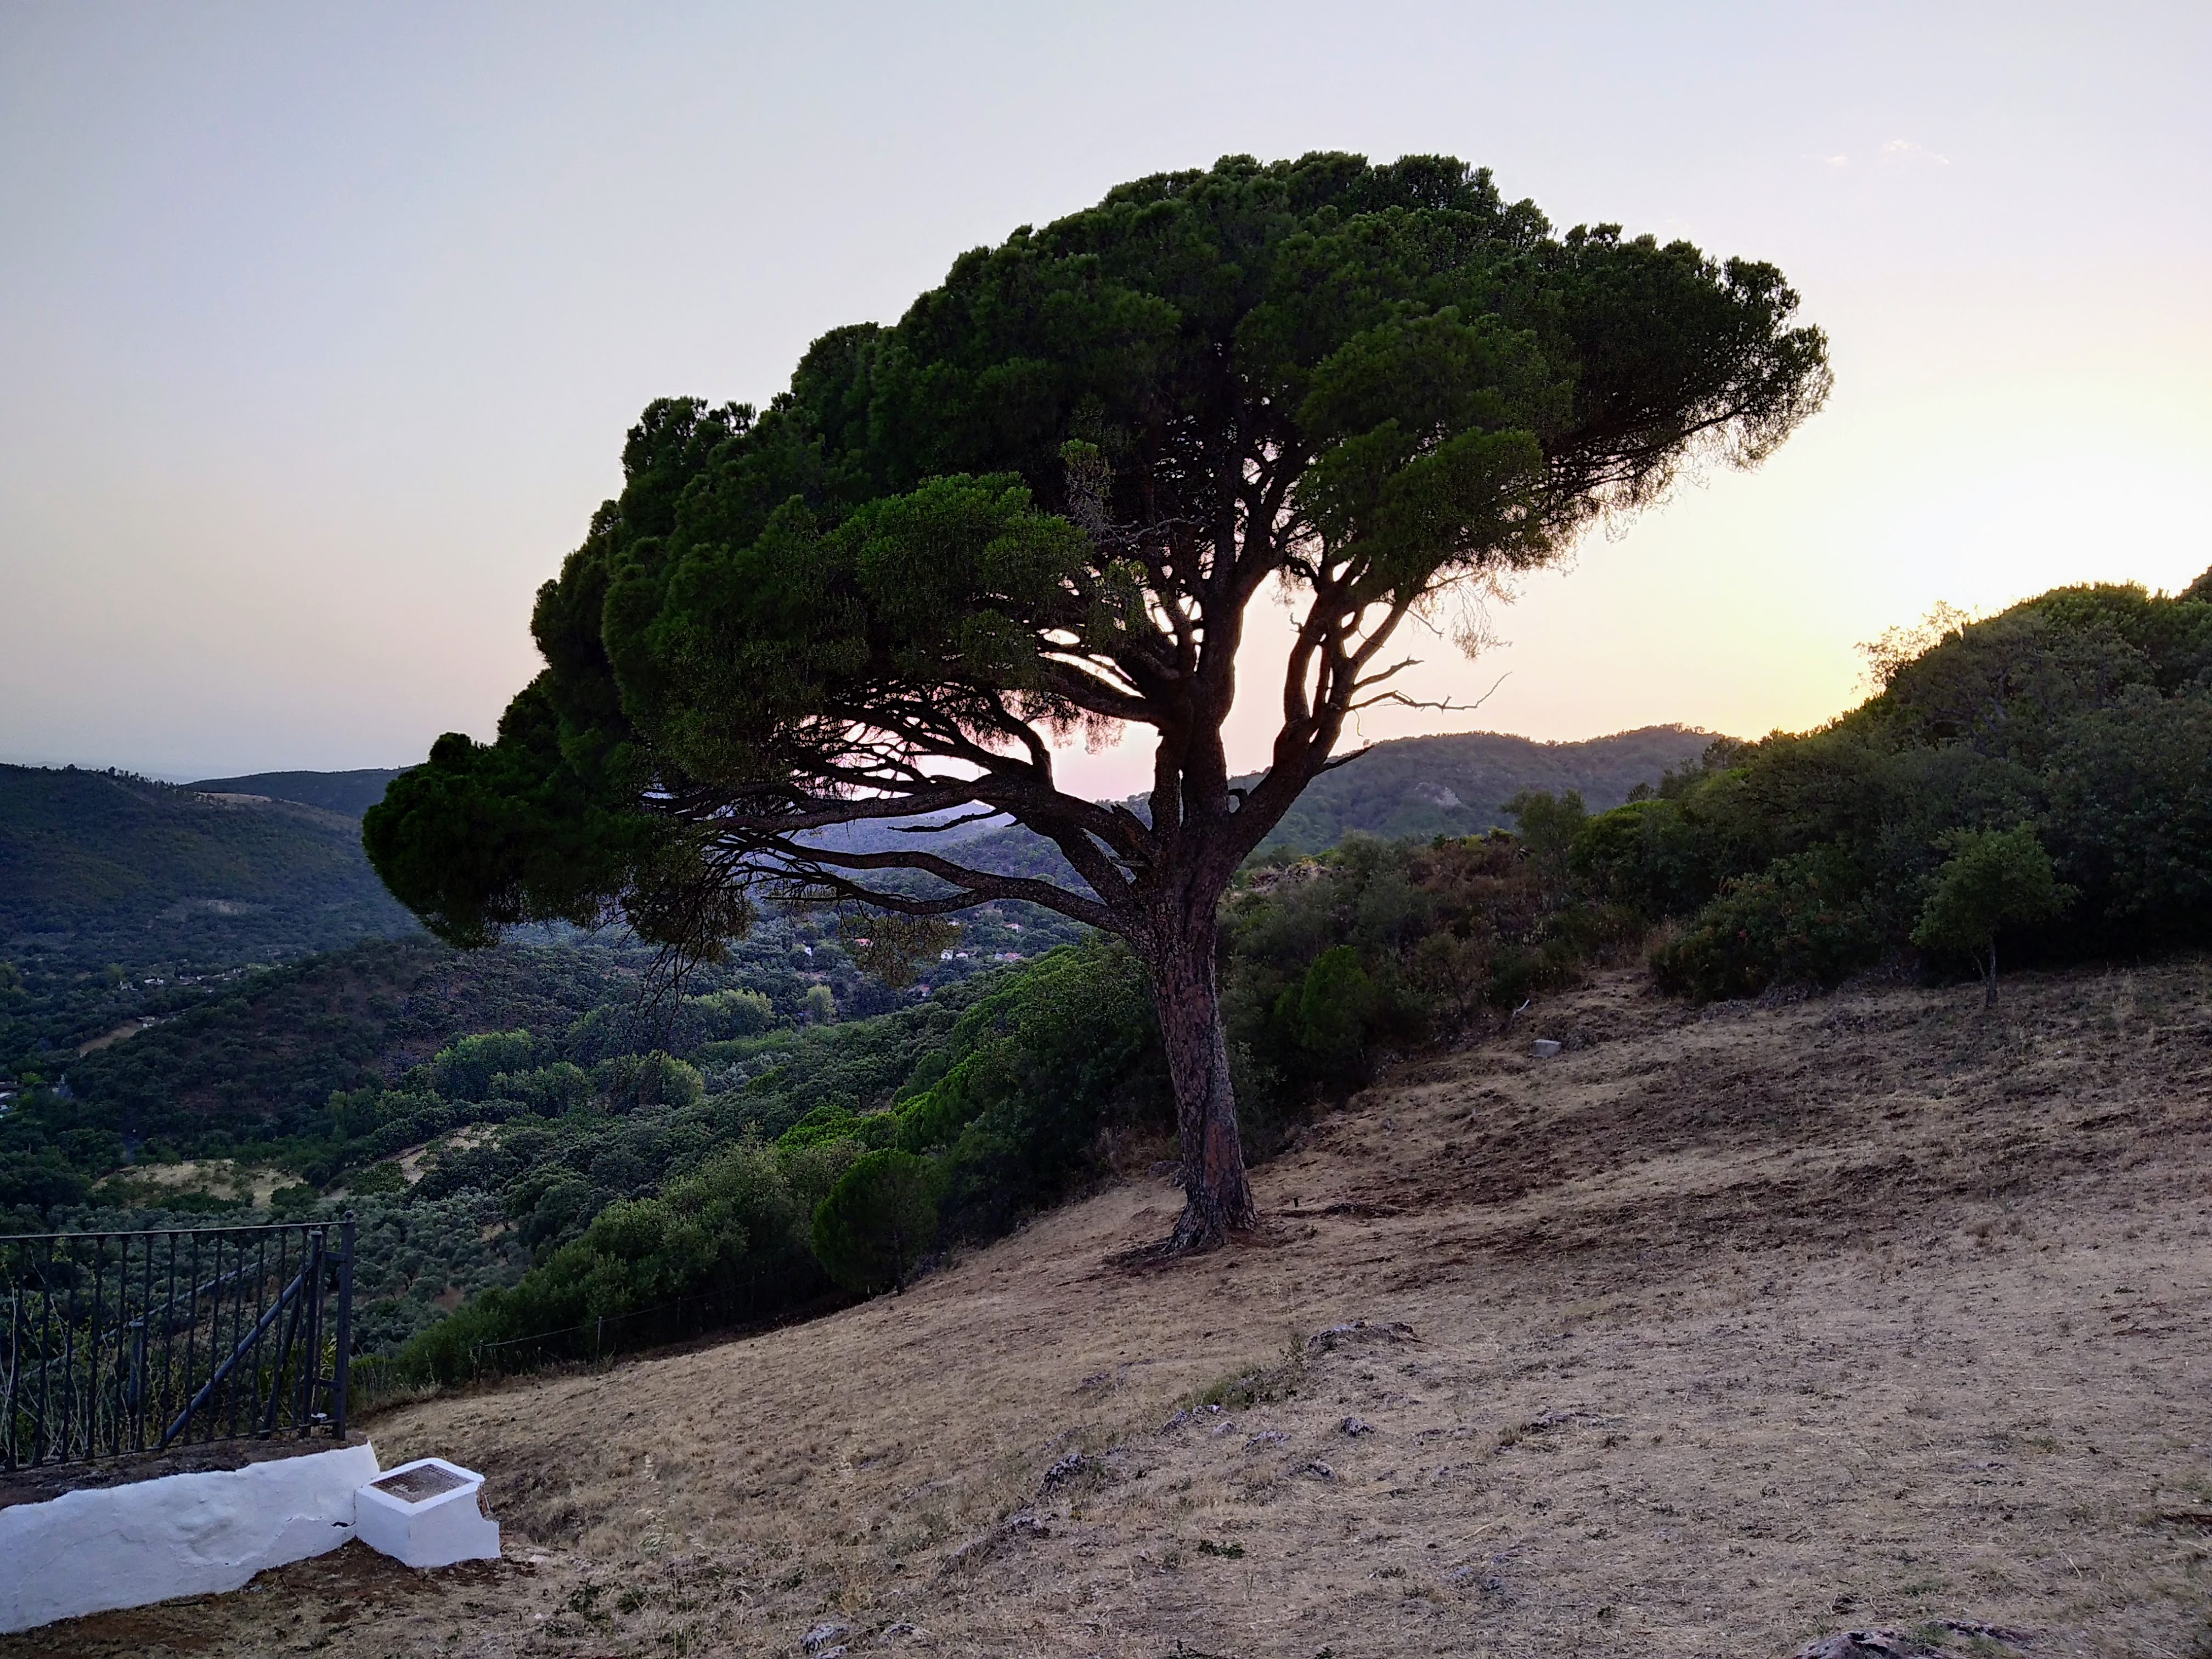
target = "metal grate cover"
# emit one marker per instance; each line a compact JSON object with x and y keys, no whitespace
{"x":420,"y":1485}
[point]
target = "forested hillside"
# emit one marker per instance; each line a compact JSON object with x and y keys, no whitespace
{"x":1458,"y":784}
{"x":351,"y":793}
{"x":2035,"y":785}
{"x":111,"y":861}
{"x":124,"y":901}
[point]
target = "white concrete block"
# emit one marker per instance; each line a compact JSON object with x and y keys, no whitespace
{"x":180,"y":1535}
{"x":428,"y":1513}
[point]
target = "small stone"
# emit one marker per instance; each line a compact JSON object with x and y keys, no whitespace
{"x":1320,"y":1471}
{"x":1543,"y":1048}
{"x":1359,"y":1330}
{"x":1266,"y":1437}
{"x":823,"y":1635}
{"x":1356,"y":1426}
{"x":1063,"y":1471}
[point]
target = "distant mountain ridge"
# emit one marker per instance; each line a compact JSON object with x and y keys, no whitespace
{"x":144,"y":872}
{"x":351,"y":793}
{"x":275,"y":859}
{"x":1456,"y":783}
{"x":109,"y":881}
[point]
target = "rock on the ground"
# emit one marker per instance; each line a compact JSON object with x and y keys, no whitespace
{"x":1890,"y":1641}
{"x":1359,"y":1330}
{"x":1062,"y":1471}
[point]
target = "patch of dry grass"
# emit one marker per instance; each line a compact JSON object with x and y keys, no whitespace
{"x":219,"y":1177}
{"x":1710,"y":1335}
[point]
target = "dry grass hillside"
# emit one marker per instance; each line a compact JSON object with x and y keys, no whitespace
{"x":1708,"y":1336}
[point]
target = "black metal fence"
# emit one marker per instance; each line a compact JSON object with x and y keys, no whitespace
{"x":116,"y":1343}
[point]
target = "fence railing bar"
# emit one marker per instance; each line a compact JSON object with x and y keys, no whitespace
{"x":312,"y":1383}
{"x":260,"y":1288}
{"x":215,"y":1307}
{"x":224,"y":1372}
{"x":227,"y":1413}
{"x":191,"y":1315}
{"x":149,"y":1232}
{"x":283,"y":1353}
{"x":311,"y":1353}
{"x":92,"y":1390}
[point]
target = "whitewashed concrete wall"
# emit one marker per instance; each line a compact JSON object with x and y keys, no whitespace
{"x":182,"y":1534}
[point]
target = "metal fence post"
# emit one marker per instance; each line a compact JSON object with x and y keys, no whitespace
{"x":342,"y":1364}
{"x":15,"y":1361}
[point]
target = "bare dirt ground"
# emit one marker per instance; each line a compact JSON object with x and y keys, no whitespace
{"x":130,"y":1028}
{"x":220,"y":1177}
{"x":1708,"y":1336}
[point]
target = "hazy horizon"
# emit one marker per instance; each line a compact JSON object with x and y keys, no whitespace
{"x":319,"y":332}
{"x":56,"y":762}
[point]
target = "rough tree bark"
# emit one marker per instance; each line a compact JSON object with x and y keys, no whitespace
{"x":1217,"y":1195}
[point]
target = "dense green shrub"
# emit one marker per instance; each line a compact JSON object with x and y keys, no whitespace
{"x":721,"y":1015}
{"x":728,"y":1242}
{"x":2130,"y":817}
{"x":2084,"y":713}
{"x":1805,"y":918}
{"x":831,"y":1121}
{"x":1332,"y":963}
{"x":464,"y":1070}
{"x":548,"y":1092}
{"x":1328,"y":1016}
{"x":877,"y":1222}
{"x":630,"y":1081}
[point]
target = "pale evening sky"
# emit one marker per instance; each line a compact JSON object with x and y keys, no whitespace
{"x":320,"y":329}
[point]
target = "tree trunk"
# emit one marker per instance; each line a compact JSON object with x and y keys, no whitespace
{"x":1217,"y":1196}
{"x":1990,"y":979}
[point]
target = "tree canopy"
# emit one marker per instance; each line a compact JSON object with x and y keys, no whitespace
{"x":1038,"y":507}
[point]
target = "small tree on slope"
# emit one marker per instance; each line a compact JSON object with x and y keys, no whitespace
{"x":1040,"y":505}
{"x":1994,"y":879}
